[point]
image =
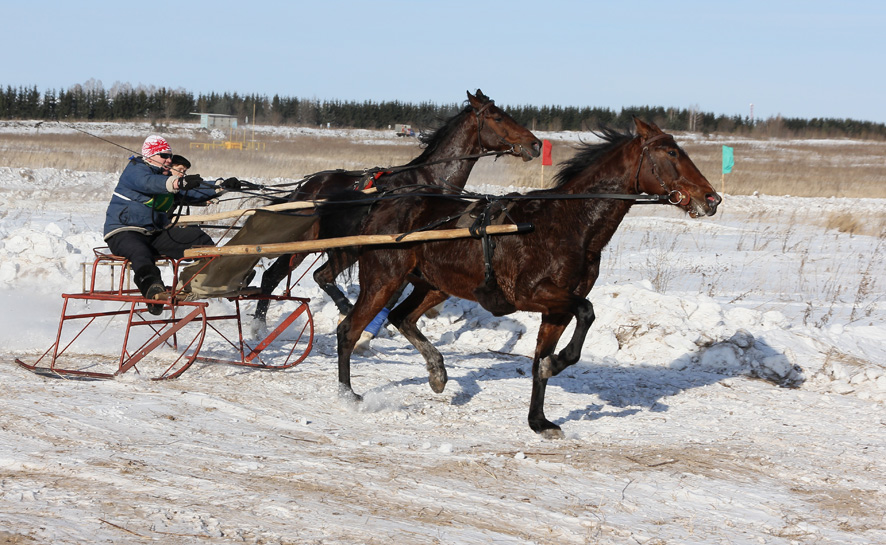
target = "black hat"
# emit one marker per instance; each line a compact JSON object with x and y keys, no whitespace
{"x":180,"y":160}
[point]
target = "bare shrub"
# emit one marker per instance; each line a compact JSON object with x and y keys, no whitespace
{"x":845,"y":223}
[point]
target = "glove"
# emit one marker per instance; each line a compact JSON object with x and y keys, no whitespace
{"x":191,"y":181}
{"x":231,"y":184}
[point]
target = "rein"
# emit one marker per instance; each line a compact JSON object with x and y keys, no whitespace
{"x":463,"y":194}
{"x":258,"y":190}
{"x":376,"y":171}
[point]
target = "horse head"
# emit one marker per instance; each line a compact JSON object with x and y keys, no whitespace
{"x":665,"y":169}
{"x":497,"y":131}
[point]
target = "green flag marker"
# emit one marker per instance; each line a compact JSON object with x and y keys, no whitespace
{"x":728,"y":160}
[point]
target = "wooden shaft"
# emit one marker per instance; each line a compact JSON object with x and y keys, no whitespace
{"x":306,"y":246}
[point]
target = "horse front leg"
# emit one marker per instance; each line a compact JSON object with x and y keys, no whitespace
{"x":405,"y":318}
{"x":345,"y":348}
{"x":549,"y":333}
{"x":552,"y":364}
{"x":372,"y":298}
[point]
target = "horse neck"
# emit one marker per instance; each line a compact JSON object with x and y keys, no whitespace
{"x":460,"y":141}
{"x":612,"y":174}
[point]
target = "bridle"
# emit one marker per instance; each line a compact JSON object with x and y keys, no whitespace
{"x":481,"y":124}
{"x":675,"y":196}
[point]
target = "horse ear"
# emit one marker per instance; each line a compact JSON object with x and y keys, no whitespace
{"x":481,"y":96}
{"x":646,"y":130}
{"x":475,"y":101}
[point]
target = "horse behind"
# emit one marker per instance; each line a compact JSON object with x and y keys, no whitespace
{"x":480,"y":129}
{"x":549,"y":270}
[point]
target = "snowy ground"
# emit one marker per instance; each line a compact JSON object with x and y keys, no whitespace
{"x":732,"y":391}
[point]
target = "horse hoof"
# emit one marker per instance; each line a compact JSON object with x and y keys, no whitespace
{"x":362,"y":347}
{"x":438,"y":381}
{"x":347,"y":394}
{"x":553,"y":433}
{"x":545,"y":428}
{"x":434,"y":311}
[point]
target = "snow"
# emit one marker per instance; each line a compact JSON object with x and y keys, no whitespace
{"x":731,"y":390}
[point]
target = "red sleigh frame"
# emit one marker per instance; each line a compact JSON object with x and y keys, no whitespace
{"x":174,"y":340}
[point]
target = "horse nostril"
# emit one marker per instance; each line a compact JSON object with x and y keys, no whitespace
{"x":713,"y":199}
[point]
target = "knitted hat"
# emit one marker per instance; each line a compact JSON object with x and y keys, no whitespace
{"x":155,"y":144}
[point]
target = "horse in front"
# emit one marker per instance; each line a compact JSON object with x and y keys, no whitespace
{"x":549,"y":270}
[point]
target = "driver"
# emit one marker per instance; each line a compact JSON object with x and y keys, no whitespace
{"x":137,"y":218}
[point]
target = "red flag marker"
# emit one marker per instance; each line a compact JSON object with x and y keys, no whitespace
{"x":546,"y":153}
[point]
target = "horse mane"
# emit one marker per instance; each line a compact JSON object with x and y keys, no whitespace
{"x":431,"y":140}
{"x":588,"y":154}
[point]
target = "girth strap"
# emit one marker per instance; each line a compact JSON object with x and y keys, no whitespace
{"x":489,"y":293}
{"x":478,"y":230}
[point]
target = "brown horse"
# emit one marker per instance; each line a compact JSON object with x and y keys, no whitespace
{"x":450,"y":153}
{"x":550,"y":270}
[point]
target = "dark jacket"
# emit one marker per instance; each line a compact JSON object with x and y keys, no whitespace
{"x":142,"y":199}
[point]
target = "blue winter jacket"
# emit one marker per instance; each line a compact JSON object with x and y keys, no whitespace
{"x":137,"y":197}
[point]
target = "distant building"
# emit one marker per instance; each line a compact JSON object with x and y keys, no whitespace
{"x":217,"y":121}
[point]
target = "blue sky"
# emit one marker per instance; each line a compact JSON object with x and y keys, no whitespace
{"x":790,"y":58}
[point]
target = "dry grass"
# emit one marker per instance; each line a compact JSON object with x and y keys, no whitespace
{"x":283,"y":157}
{"x":844,"y":223}
{"x":806,"y":168}
{"x":803,"y":168}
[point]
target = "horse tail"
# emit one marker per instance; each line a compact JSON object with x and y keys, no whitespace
{"x":342,"y":215}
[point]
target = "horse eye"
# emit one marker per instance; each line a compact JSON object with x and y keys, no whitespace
{"x":672,"y":153}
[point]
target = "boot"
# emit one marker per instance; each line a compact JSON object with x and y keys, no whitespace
{"x":150,"y":284}
{"x":158,"y":293}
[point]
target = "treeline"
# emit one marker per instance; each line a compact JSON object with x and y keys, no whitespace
{"x":122,"y":102}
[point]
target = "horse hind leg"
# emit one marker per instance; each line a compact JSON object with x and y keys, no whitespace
{"x":405,"y":318}
{"x":325,"y":276}
{"x":271,"y":278}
